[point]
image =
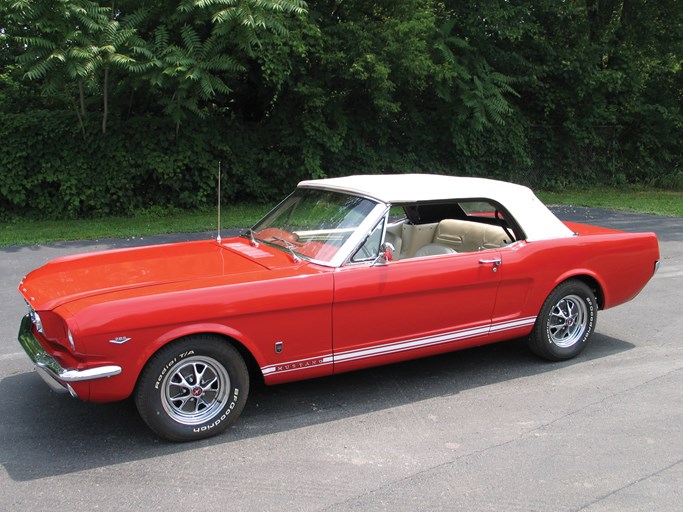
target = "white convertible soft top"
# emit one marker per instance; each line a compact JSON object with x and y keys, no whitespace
{"x":533,"y":216}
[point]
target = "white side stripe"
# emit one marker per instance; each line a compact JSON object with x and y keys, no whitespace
{"x":523,"y":322}
{"x":410,"y":344}
{"x":391,"y":348}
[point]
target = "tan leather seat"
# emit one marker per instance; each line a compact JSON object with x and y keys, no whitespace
{"x":468,"y":236}
{"x":433,"y":250}
{"x":415,"y":236}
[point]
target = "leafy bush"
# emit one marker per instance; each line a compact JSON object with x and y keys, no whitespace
{"x":105,"y":112}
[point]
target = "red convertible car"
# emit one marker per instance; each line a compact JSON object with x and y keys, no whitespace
{"x":345,"y":273}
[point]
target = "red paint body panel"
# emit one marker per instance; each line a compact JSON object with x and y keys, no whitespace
{"x":328,"y":319}
{"x":81,"y":276}
{"x":408,"y":300}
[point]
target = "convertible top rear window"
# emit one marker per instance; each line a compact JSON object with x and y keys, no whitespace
{"x":433,"y":212}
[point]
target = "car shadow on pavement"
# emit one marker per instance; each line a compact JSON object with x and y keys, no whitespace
{"x":45,"y":434}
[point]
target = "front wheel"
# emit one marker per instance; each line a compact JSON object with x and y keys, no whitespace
{"x":193,"y":388}
{"x":566,"y":322}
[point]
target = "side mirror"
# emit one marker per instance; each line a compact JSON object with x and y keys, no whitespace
{"x":386,"y":254}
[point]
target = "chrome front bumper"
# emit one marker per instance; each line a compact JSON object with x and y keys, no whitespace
{"x":50,"y":370}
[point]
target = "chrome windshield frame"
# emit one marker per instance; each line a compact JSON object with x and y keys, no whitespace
{"x":351,"y":244}
{"x":359,"y":235}
{"x":384,"y":218}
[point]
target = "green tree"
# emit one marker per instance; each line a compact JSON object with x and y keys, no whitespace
{"x":73,"y":45}
{"x":190,"y":48}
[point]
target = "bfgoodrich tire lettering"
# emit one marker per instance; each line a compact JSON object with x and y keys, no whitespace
{"x":193,"y":388}
{"x":566,"y":322}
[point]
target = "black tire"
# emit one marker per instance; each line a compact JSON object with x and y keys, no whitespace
{"x":193,"y":388}
{"x":566,"y":322}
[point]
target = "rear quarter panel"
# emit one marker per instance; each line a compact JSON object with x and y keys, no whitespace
{"x":620,"y":263}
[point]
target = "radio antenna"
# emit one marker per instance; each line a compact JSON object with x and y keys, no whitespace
{"x":218,"y":235}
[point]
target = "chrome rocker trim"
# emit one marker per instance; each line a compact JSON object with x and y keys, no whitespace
{"x":50,"y":370}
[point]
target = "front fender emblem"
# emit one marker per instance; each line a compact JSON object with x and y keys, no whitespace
{"x":120,"y":340}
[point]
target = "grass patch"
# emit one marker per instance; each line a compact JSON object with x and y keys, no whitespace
{"x":155,"y":222}
{"x":658,"y":202}
{"x":29,"y":232}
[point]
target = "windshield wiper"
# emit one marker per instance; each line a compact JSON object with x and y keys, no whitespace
{"x":249,"y":233}
{"x":289,"y":246}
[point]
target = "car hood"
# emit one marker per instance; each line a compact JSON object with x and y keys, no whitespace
{"x":85,"y":275}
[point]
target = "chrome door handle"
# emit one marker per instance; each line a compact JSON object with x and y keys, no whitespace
{"x":495,"y":262}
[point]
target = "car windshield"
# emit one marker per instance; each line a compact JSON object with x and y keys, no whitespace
{"x":313,"y":224}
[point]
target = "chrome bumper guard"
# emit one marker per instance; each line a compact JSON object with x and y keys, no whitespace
{"x":50,"y":370}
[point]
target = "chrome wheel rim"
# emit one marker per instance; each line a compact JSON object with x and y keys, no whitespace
{"x":568,"y":321}
{"x":194,"y":390}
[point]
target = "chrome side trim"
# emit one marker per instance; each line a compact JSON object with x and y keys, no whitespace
{"x":48,"y":365}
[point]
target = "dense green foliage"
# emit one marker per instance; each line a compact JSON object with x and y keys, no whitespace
{"x":113,"y":107}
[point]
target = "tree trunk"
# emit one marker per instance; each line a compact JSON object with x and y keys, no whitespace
{"x":81,"y":97}
{"x":130,"y":103}
{"x":105,"y":90}
{"x":177,"y":124}
{"x":80,"y":120}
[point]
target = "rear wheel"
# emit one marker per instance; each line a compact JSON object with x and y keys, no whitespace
{"x":566,"y":322}
{"x":193,"y":388}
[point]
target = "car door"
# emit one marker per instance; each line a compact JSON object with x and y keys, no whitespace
{"x":412,"y":308}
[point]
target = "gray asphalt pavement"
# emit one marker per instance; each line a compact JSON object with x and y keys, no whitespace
{"x":490,"y":429}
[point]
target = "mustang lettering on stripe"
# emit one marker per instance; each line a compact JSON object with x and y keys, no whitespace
{"x":399,"y":346}
{"x":301,"y":364}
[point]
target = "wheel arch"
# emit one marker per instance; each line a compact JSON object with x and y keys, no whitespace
{"x":590,"y":280}
{"x":255,"y":373}
{"x":594,"y":285}
{"x":241,"y":343}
